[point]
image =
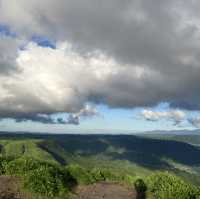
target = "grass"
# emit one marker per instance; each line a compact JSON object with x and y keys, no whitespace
{"x":125,"y":155}
{"x":45,"y":179}
{"x":164,"y":185}
{"x":50,"y":151}
{"x":25,"y":148}
{"x":121,"y":166}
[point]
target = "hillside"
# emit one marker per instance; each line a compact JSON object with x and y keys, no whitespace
{"x":96,"y":166}
{"x":124,"y":153}
{"x":193,"y":139}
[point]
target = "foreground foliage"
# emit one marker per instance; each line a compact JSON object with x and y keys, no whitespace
{"x":165,"y":186}
{"x":86,"y":176}
{"x":49,"y":180}
{"x":39,"y":177}
{"x":53,"y":180}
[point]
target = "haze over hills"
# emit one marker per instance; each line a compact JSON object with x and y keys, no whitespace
{"x":173,"y":132}
{"x":114,"y":132}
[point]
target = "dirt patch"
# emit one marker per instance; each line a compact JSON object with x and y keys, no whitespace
{"x":10,"y":188}
{"x":105,"y":190}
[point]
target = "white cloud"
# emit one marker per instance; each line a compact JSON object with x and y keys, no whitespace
{"x":158,"y":42}
{"x":87,"y":112}
{"x":176,"y":116}
{"x":195,"y":122}
{"x":61,"y":80}
{"x":119,"y":53}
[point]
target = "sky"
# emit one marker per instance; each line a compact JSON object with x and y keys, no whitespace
{"x":99,"y":66}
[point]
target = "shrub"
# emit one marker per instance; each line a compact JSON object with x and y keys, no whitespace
{"x":140,"y":186}
{"x":85,"y":176}
{"x":49,"y":180}
{"x":3,"y":164}
{"x":82,"y":175}
{"x":198,"y":193}
{"x":22,"y":165}
{"x":129,"y":179}
{"x":165,"y":186}
{"x":110,"y":176}
{"x":40,"y":177}
{"x":97,"y":174}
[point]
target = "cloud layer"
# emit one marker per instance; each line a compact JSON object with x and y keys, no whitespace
{"x":122,"y":54}
{"x":177,"y":116}
{"x":195,"y":121}
{"x":87,"y":112}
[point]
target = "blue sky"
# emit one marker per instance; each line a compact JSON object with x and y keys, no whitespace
{"x":110,"y":121}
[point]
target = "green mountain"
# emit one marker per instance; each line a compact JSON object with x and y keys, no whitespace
{"x":128,"y":154}
{"x":51,"y":165}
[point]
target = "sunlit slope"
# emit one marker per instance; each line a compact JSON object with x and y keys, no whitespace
{"x":123,"y":153}
{"x":30,"y":148}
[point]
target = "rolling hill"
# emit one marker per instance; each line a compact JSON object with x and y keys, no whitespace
{"x":123,"y":153}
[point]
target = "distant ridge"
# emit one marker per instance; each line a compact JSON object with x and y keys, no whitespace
{"x":174,"y":132}
{"x":113,"y":132}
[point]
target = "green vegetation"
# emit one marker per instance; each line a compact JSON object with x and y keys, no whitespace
{"x":39,"y":177}
{"x":86,"y":176}
{"x":21,"y":166}
{"x":82,"y":175}
{"x":4,"y":161}
{"x":165,"y":185}
{"x":53,"y":180}
{"x":49,"y":180}
{"x":52,"y":165}
{"x":140,"y":188}
{"x":24,"y":148}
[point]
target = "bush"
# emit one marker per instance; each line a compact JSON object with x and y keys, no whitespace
{"x":82,"y":175}
{"x":97,"y":175}
{"x":21,"y":166}
{"x":85,"y":176}
{"x":3,"y":164}
{"x":165,"y":186}
{"x":110,"y":176}
{"x":129,"y":179}
{"x":140,"y":186}
{"x":40,"y":177}
{"x":49,"y":180}
{"x":198,"y":192}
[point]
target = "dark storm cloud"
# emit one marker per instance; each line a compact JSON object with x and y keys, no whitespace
{"x":154,"y":44}
{"x":47,"y":119}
